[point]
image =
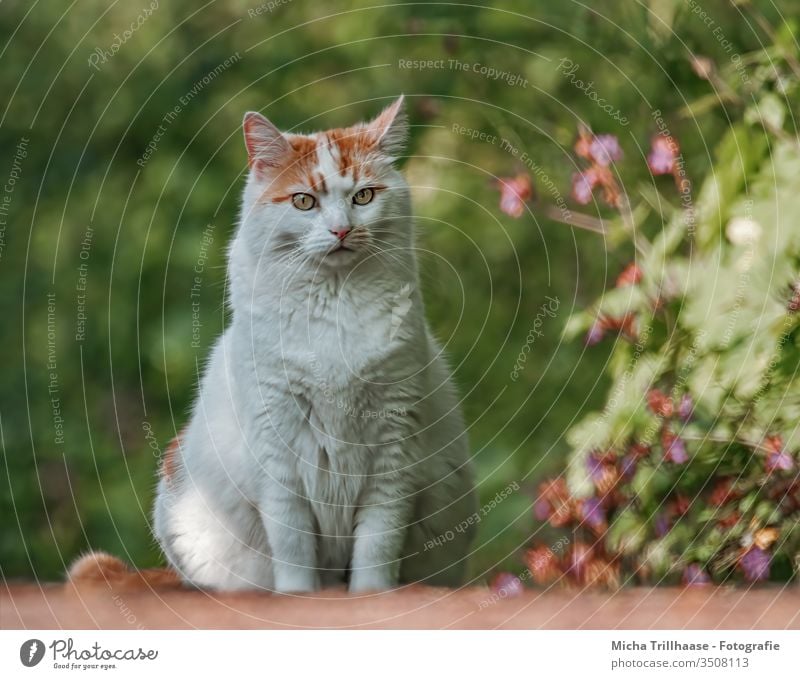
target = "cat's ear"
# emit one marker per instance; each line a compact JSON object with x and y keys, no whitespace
{"x":266,"y":145}
{"x":391,"y":128}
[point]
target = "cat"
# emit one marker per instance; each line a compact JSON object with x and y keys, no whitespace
{"x":326,"y":445}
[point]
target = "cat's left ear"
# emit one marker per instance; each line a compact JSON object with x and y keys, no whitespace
{"x":391,"y":128}
{"x":267,"y":148}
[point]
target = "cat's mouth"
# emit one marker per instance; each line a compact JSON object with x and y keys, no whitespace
{"x":339,"y":249}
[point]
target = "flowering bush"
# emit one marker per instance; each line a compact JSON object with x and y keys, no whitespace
{"x":690,"y":472}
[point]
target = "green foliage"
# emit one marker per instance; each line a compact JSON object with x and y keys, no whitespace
{"x":146,"y":150}
{"x":691,"y":469}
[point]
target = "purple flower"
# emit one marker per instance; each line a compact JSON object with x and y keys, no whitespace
{"x":541,"y":509}
{"x":663,"y":155}
{"x":582,"y":185}
{"x":514,"y":193}
{"x":778,"y":459}
{"x":686,"y":408}
{"x":595,"y":466}
{"x":593,"y":513}
{"x":695,"y":576}
{"x":627,"y":466}
{"x":755,"y":564}
{"x":604,"y":149}
{"x":595,"y":334}
{"x":675,"y":449}
{"x":507,"y":585}
{"x":662,"y":525}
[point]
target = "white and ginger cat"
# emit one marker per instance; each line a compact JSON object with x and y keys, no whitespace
{"x":326,"y":444}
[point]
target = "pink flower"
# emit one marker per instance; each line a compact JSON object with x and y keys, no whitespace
{"x":595,"y":334}
{"x":630,"y":275}
{"x":600,"y":150}
{"x":514,"y":193}
{"x":542,"y":564}
{"x":674,"y":448}
{"x":660,"y":403}
{"x":582,"y":185}
{"x":686,"y":408}
{"x":663,"y":154}
{"x":604,"y":149}
{"x":583,"y":144}
{"x":793,"y":306}
{"x":777,"y":457}
{"x":541,"y":509}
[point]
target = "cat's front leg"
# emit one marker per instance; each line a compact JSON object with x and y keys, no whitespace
{"x":382,"y":519}
{"x":289,"y":524}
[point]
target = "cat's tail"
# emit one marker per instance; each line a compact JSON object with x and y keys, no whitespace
{"x":99,"y":568}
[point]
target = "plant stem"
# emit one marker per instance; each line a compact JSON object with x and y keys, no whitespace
{"x":576,"y":219}
{"x":721,"y":439}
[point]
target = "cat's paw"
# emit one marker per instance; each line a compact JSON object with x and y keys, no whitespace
{"x":371,"y":581}
{"x":297,"y":582}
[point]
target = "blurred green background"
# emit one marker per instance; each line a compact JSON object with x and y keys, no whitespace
{"x":98,"y":380}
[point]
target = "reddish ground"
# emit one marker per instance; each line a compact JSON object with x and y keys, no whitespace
{"x":59,"y":606}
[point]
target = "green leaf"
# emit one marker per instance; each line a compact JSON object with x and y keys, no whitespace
{"x":627,"y":533}
{"x":769,"y":111}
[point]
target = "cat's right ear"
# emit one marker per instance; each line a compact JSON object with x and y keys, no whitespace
{"x":266,"y":146}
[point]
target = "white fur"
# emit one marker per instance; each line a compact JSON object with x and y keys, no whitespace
{"x":326,"y":438}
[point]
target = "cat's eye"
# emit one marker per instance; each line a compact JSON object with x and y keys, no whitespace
{"x":303,"y":201}
{"x":364,"y":196}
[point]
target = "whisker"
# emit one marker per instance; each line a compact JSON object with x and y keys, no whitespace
{"x":373,"y":250}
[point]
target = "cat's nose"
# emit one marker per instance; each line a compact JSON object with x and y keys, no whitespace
{"x":340,"y":231}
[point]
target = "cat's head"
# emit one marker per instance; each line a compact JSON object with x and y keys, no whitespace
{"x":328,"y":198}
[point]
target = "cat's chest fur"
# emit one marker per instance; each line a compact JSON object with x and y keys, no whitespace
{"x":338,"y":338}
{"x":340,"y":361}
